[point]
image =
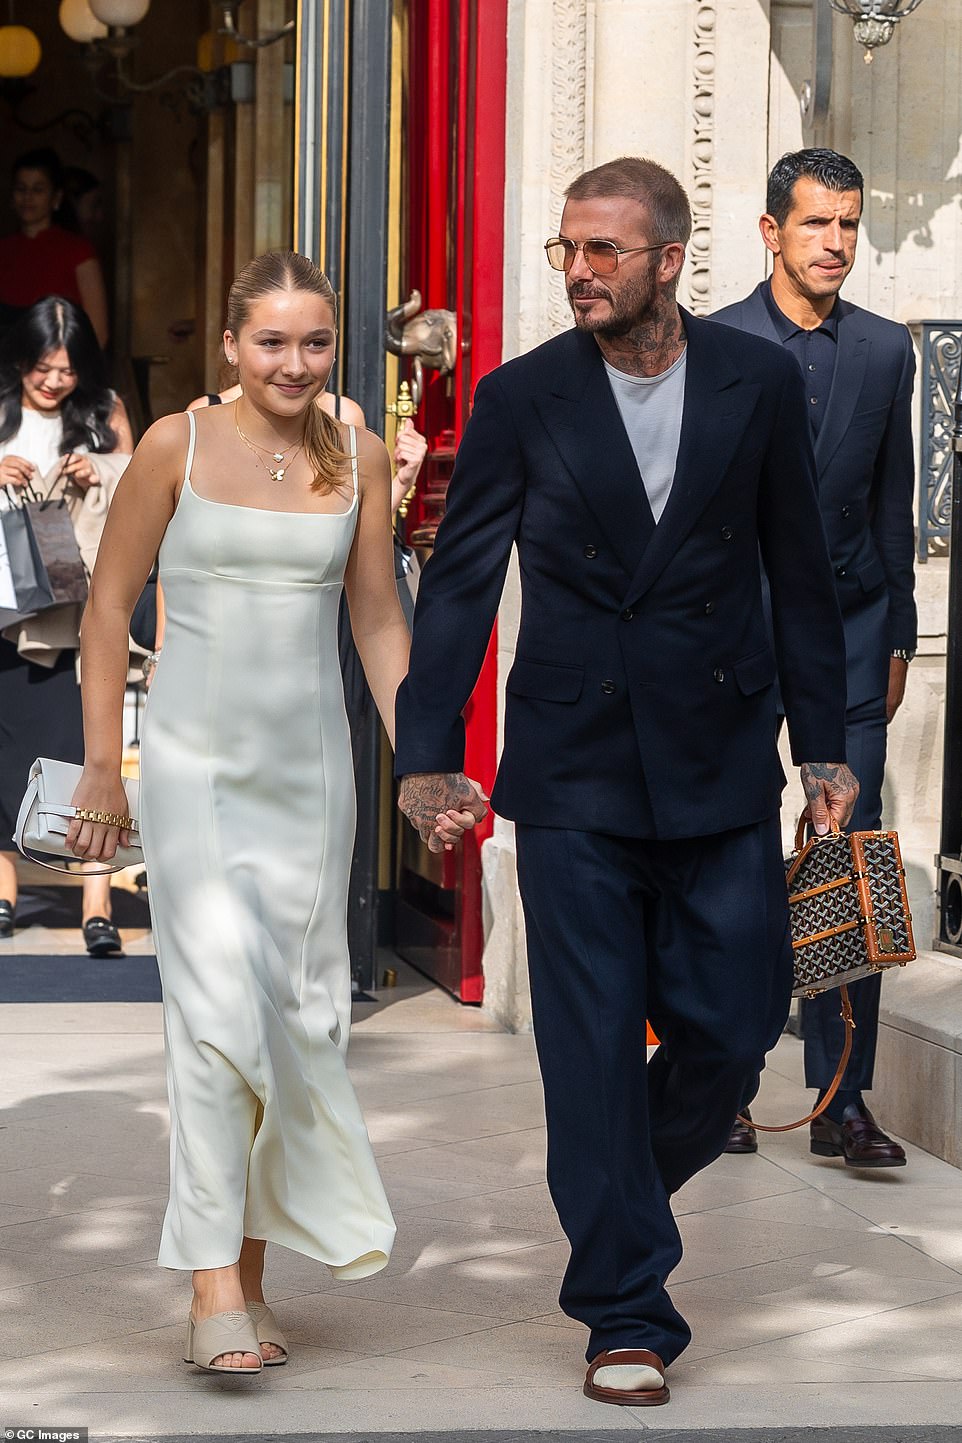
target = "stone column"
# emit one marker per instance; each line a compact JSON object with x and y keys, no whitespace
{"x":548,"y":144}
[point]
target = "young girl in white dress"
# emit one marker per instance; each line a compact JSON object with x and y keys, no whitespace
{"x":261,"y":509}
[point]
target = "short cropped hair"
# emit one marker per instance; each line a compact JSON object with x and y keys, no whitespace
{"x":834,"y":171}
{"x":647,"y":182}
{"x":45,"y":159}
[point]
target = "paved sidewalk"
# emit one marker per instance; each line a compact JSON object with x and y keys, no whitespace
{"x":820,"y":1298}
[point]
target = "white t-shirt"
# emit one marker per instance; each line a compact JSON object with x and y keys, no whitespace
{"x":651,"y":408}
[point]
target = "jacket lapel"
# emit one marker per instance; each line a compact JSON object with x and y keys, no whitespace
{"x":756,"y":317}
{"x":585,"y":426}
{"x":850,"y":363}
{"x":718,"y":405}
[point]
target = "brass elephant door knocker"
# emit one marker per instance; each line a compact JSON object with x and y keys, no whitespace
{"x":431,"y":337}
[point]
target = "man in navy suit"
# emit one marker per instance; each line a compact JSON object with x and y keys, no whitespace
{"x":858,"y":371}
{"x":640,"y":463}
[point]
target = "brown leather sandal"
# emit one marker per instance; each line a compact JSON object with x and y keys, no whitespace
{"x":632,"y":1398}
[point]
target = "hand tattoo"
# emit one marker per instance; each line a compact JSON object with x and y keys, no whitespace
{"x":831,"y":790}
{"x":838,"y":779}
{"x":425,"y":795}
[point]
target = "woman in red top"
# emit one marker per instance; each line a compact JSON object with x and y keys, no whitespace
{"x":42,"y":259}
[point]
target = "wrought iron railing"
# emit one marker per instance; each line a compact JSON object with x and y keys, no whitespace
{"x":939,"y":377}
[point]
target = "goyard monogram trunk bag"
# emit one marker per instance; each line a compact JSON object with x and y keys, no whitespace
{"x":848,"y":907}
{"x":849,"y":917}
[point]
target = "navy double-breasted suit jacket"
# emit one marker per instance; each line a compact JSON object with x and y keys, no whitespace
{"x":641,"y":701}
{"x":866,"y":478}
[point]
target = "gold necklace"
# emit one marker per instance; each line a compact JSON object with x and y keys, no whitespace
{"x":275,"y":473}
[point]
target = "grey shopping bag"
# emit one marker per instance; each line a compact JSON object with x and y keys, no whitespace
{"x":27,"y":589}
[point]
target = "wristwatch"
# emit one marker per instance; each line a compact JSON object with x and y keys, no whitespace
{"x":902,"y":653}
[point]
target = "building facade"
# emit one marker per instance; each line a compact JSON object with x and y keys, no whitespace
{"x":712,"y":89}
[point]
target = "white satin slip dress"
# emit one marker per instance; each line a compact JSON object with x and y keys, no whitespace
{"x":248,"y":815}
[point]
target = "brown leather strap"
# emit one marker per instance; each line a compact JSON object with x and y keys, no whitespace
{"x":625,"y":1357}
{"x":804,"y":821}
{"x":848,"y":1019}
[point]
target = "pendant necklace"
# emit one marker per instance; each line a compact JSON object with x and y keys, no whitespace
{"x":275,"y":473}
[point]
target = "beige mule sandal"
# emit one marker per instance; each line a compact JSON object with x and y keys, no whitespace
{"x":268,"y":1332}
{"x":223,"y":1333}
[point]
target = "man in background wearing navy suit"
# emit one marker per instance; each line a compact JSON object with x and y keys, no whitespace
{"x":858,"y":371}
{"x":641,"y":462}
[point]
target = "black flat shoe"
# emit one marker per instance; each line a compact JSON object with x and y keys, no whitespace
{"x":6,"y":918}
{"x":102,"y":938}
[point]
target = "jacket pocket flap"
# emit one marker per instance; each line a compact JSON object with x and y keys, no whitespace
{"x":545,"y":681}
{"x":872,"y":574}
{"x":754,"y":672}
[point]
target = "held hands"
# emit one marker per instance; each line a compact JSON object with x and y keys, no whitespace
{"x":441,"y":807}
{"x":831,"y":790}
{"x":95,"y":841}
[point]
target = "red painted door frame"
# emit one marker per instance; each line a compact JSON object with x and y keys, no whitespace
{"x":456,"y":77}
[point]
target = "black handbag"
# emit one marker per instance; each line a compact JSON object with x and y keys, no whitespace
{"x":849,"y":916}
{"x":57,"y":548}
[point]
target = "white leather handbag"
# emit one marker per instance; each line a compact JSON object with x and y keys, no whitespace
{"x":46,"y":813}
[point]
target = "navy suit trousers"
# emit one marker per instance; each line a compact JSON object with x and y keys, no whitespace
{"x":866,"y":735}
{"x":693,"y":935}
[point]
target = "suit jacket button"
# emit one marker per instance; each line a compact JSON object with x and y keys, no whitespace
{"x":840,"y":571}
{"x":591,"y":552}
{"x":709,"y":607}
{"x":719,"y":674}
{"x":608,"y":687}
{"x":727,"y":533}
{"x":846,"y":512}
{"x":627,"y":614}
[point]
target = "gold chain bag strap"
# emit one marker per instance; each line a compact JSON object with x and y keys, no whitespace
{"x":46,"y":813}
{"x":849,"y":917}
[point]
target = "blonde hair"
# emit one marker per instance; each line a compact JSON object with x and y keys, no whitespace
{"x":289,"y":271}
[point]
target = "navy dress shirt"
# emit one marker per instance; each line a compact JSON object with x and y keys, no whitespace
{"x":815,"y":351}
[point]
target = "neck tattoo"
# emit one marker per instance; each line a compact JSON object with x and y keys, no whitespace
{"x":648,"y":348}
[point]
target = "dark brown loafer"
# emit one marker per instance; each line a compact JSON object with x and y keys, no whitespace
{"x":858,"y":1138}
{"x":743,"y":1136}
{"x":637,"y":1398}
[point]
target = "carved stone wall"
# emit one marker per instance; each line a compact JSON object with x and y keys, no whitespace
{"x":702,"y":156}
{"x":548,"y":127}
{"x":569,"y":45}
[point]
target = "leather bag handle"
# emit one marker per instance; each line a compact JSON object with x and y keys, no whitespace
{"x":846,"y":1016}
{"x":849,"y":1020}
{"x":805,"y":821}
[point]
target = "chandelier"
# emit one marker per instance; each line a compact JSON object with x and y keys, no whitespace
{"x":874,"y":20}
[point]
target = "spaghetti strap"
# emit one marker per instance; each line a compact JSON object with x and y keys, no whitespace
{"x":191,"y":444}
{"x":353,"y":431}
